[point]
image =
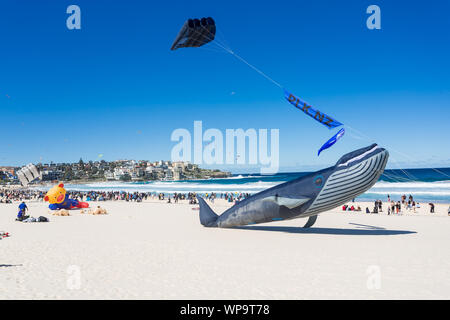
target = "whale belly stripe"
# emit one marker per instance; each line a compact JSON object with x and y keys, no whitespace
{"x":360,"y":183}
{"x":342,"y":187}
{"x":344,"y":184}
{"x":334,"y":183}
{"x":342,"y":199}
{"x":334,"y":199}
{"x":348,"y":171}
{"x":331,"y":203}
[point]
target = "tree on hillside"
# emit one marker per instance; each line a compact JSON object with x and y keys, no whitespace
{"x":81,"y":164}
{"x":125,"y":177}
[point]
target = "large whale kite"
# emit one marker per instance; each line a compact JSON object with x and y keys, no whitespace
{"x":307,"y":196}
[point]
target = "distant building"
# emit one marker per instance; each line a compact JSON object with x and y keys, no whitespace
{"x":51,"y":175}
{"x":109,"y":175}
{"x":10,"y":170}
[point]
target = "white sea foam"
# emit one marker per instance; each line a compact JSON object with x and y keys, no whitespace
{"x":175,"y":186}
{"x":413,"y":184}
{"x":439,"y":190}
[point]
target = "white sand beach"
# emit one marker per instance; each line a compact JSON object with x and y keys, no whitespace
{"x":155,"y":250}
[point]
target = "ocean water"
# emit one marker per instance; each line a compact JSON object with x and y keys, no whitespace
{"x":423,"y":184}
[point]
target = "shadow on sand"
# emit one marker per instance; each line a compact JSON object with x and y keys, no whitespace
{"x":363,"y":230}
{"x":9,"y":265}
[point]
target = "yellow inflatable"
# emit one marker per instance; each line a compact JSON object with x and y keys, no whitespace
{"x":59,"y":199}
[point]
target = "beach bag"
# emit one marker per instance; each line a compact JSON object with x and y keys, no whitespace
{"x":42,"y":219}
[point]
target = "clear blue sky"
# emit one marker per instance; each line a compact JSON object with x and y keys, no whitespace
{"x":115,"y":88}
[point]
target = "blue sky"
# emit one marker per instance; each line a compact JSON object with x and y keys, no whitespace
{"x":115,"y":88}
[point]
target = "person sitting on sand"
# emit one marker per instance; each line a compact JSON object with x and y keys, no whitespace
{"x":22,"y":210}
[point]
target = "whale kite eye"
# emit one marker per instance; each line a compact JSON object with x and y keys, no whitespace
{"x":318,"y":181}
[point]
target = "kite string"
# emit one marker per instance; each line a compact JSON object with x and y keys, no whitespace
{"x":363,"y":136}
{"x":214,"y":37}
{"x":409,"y":175}
{"x":394,"y":177}
{"x":410,"y":158}
{"x":256,"y":69}
{"x":227,"y":49}
{"x":230,"y":51}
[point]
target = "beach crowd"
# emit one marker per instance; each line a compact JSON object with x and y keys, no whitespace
{"x":393,"y":207}
{"x":9,"y":195}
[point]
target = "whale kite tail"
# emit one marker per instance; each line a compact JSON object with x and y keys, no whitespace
{"x":207,"y":216}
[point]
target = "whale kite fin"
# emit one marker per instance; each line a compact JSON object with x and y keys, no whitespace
{"x":207,"y":216}
{"x":287,"y":202}
{"x":311,"y":221}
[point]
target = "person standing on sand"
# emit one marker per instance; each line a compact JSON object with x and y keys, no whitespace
{"x":431,"y":207}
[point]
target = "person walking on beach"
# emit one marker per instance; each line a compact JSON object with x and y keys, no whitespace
{"x":431,"y":207}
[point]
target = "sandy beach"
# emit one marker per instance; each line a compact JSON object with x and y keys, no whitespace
{"x":156,"y":250}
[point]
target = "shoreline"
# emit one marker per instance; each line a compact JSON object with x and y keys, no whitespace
{"x":361,"y":199}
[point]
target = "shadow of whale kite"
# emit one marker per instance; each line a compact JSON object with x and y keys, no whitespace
{"x":307,"y":196}
{"x":329,"y":231}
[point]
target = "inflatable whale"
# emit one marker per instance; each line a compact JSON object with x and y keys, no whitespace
{"x":307,"y":196}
